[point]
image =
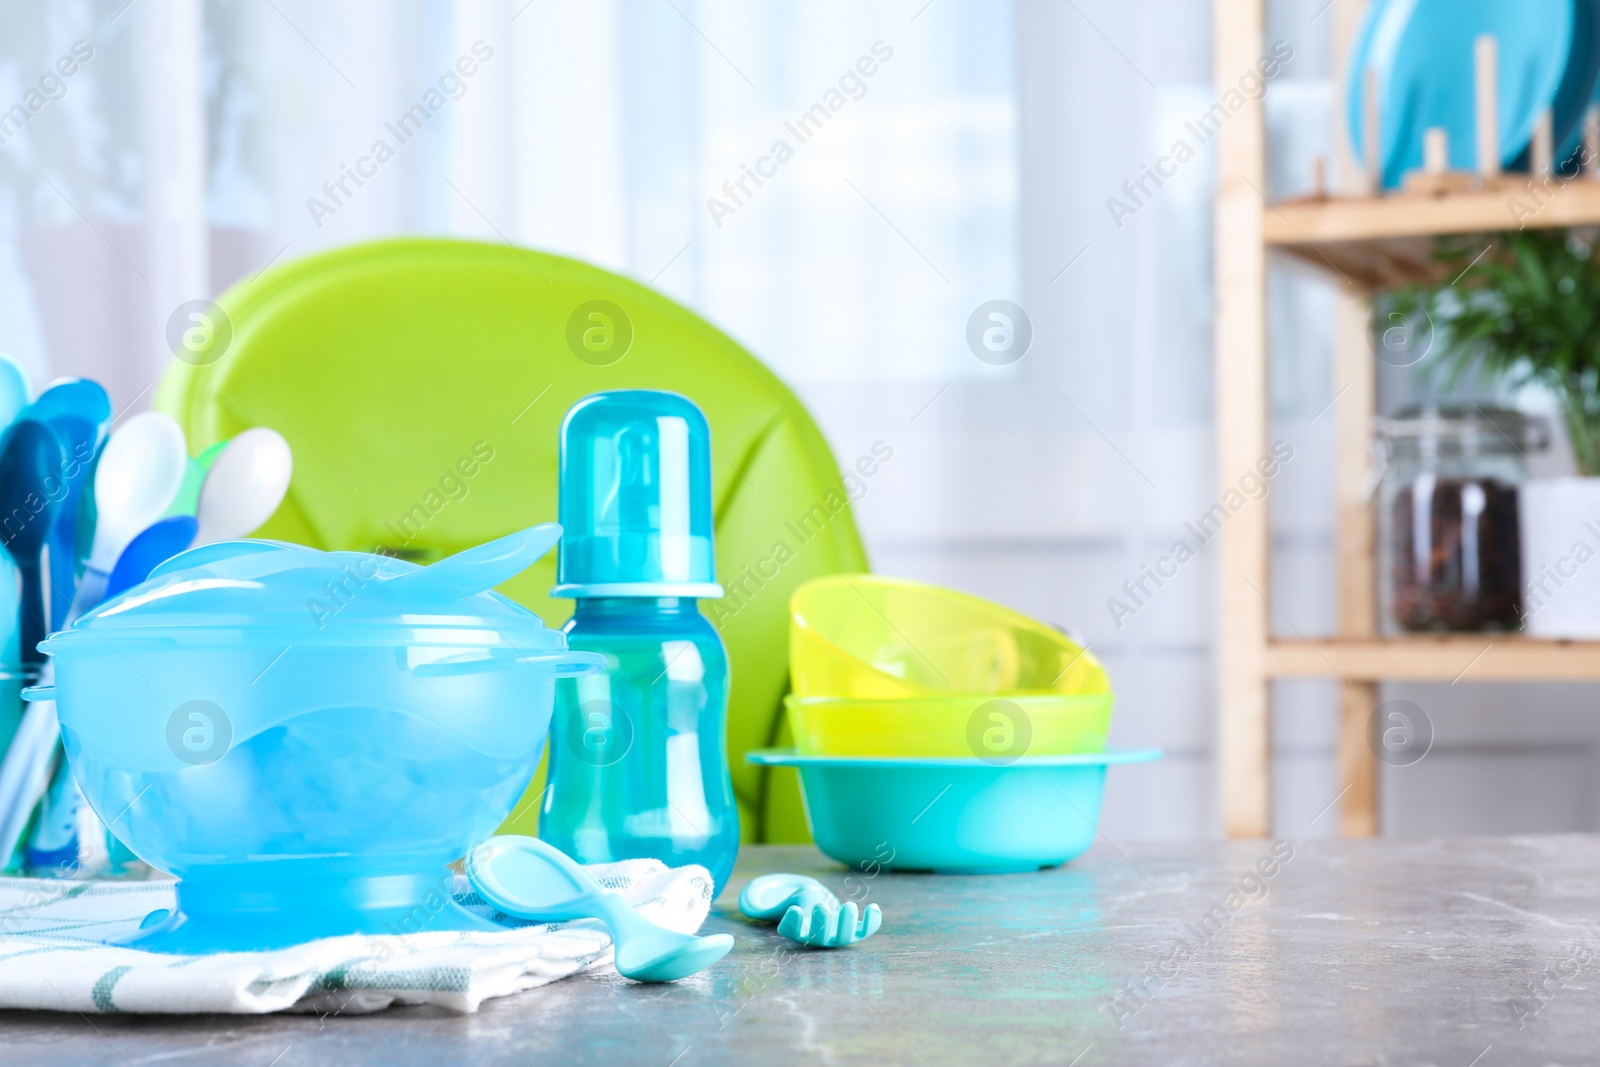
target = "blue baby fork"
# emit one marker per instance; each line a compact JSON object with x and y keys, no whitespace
{"x":811,"y":914}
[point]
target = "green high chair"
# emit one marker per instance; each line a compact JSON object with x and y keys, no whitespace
{"x":421,"y":384}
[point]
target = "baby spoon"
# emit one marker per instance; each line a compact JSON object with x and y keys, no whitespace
{"x":78,"y":412}
{"x":158,"y":543}
{"x":246,"y":483}
{"x":530,"y":879}
{"x":139,"y":473}
{"x":31,"y":458}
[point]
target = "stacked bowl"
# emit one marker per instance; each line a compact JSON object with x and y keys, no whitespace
{"x":939,"y":731}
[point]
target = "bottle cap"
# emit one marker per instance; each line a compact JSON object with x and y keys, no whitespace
{"x":636,"y":497}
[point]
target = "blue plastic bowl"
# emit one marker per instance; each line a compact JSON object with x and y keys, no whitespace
{"x":1423,"y":53}
{"x":954,"y":816}
{"x":304,"y":738}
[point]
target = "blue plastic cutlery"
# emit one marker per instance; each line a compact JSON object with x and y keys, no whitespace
{"x":31,"y":461}
{"x":527,"y":878}
{"x":807,"y":912}
{"x":78,"y":412}
{"x":153,"y":547}
{"x":30,"y":457}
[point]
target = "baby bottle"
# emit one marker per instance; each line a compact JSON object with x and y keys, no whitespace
{"x":638,"y":756}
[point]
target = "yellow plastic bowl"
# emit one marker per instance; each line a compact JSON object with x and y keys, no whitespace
{"x":995,"y":729}
{"x":863,"y":635}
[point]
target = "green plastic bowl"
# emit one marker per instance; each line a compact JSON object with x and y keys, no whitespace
{"x":953,"y":816}
{"x":986,"y":727}
{"x":869,"y":635}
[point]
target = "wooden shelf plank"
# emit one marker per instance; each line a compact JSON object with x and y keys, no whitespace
{"x":1457,"y":657}
{"x":1378,"y":242}
{"x":1350,"y":218}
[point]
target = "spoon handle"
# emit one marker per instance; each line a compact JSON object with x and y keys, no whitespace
{"x":623,"y":920}
{"x":63,"y":568}
{"x":30,"y":613}
{"x":91,"y":590}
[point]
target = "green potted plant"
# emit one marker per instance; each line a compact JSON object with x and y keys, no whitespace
{"x":1527,"y":310}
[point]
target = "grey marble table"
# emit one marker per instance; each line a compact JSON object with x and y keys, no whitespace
{"x":1471,"y":951}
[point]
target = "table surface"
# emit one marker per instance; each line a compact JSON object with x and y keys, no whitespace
{"x":1467,"y":951}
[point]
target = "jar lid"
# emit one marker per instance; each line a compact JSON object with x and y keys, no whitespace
{"x":1489,"y":428}
{"x":304,"y":595}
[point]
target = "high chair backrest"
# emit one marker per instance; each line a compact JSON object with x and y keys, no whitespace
{"x":421,"y":384}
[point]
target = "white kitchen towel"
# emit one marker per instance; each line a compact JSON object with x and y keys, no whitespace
{"x":53,"y":955}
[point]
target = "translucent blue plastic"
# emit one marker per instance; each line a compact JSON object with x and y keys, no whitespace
{"x":638,"y":752}
{"x":306,"y":738}
{"x":636,"y":497}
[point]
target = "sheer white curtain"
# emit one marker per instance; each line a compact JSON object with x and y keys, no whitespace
{"x":203,"y":140}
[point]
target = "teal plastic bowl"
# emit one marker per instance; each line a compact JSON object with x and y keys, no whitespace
{"x":953,"y":816}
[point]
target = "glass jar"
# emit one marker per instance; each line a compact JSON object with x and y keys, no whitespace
{"x":1449,"y":552}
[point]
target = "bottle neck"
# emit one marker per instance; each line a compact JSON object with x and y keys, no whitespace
{"x":618,"y":607}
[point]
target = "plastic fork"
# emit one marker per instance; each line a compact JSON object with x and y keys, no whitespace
{"x":807,"y":912}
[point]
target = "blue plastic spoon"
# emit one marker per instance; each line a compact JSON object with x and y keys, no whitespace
{"x":30,"y":456}
{"x":78,"y":412}
{"x":80,"y":441}
{"x":810,"y":913}
{"x":157,"y":544}
{"x":525,"y":877}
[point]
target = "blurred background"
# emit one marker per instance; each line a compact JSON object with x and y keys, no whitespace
{"x":984,"y":159}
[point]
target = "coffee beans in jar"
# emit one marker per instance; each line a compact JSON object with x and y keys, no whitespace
{"x":1448,"y":541}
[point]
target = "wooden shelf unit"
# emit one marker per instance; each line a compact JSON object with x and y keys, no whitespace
{"x":1455,"y":658}
{"x":1362,"y":244}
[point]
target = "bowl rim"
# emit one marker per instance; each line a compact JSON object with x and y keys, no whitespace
{"x":799,"y":624}
{"x":229,"y":630}
{"x":790,"y":757}
{"x":1031,"y":698}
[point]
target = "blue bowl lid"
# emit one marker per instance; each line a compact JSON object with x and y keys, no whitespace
{"x":301,"y":594}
